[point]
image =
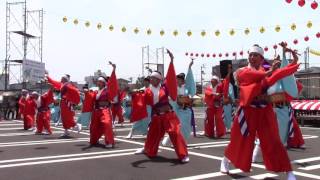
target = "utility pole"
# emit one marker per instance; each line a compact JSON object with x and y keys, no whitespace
{"x":201,"y":77}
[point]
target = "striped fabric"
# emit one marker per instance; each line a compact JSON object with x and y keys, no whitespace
{"x":290,"y":123}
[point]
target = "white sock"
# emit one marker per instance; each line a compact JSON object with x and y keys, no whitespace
{"x":256,"y":152}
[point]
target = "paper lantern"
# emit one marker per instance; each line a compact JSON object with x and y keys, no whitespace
{"x":306,"y":38}
{"x":162,"y":32}
{"x":202,"y":55}
{"x":191,"y":54}
{"x":227,"y":54}
{"x":293,"y":26}
{"x":232,"y":32}
{"x":277,"y":28}
{"x":64,"y":19}
{"x":217,"y":33}
{"x":99,"y":25}
{"x":289,"y":1}
{"x":208,"y":55}
{"x":301,"y":3}
{"x":314,"y":5}
{"x":295,"y":41}
{"x":76,"y":22}
{"x":220,"y":55}
{"x":234,"y":54}
{"x":149,"y":31}
{"x":87,"y":24}
{"x":189,"y":33}
{"x":187,"y":54}
{"x":197,"y":54}
{"x":247,"y":31}
{"x":266,"y":48}
{"x":136,"y":30}
{"x":214,"y":55}
{"x":318,"y":35}
{"x":123,"y":29}
{"x":275,"y":46}
{"x":309,"y":24}
{"x":241,"y":53}
{"x":175,"y":33}
{"x":203,"y":33}
{"x":111,"y":28}
{"x":262,"y":30}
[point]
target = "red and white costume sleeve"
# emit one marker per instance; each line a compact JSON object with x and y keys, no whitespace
{"x":70,"y":96}
{"x":43,"y":115}
{"x":101,"y":119}
{"x":213,"y":100}
{"x":256,"y":117}
{"x":164,"y":121}
{"x":29,"y":113}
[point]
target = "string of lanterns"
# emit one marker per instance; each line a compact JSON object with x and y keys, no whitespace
{"x":189,"y":33}
{"x":241,"y":53}
{"x":301,"y":3}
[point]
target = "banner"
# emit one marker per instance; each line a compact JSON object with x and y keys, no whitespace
{"x":32,"y":71}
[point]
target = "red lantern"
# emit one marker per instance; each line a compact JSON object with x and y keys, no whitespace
{"x":191,"y":54}
{"x":202,"y":55}
{"x":266,"y":48}
{"x":197,"y":55}
{"x":234,"y":54}
{"x":227,"y":54}
{"x":306,"y":38}
{"x":314,"y":5}
{"x":220,"y":55}
{"x":318,"y":35}
{"x":214,"y":55}
{"x":301,"y":3}
{"x":295,"y":41}
{"x":208,"y":55}
{"x":241,"y":53}
{"x":187,"y":54}
{"x":275,"y":46}
{"x":289,"y":1}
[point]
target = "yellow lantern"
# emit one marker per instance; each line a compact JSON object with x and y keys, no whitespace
{"x":75,"y":21}
{"x":111,"y":28}
{"x":99,"y":25}
{"x":136,"y":30}
{"x":123,"y":29}
{"x":309,"y":24}
{"x":203,"y":33}
{"x":217,"y":33}
{"x":262,"y":30}
{"x":87,"y":24}
{"x":293,"y":26}
{"x":149,"y":31}
{"x":161,"y":32}
{"x":175,"y":33}
{"x":277,"y":28}
{"x":247,"y":31}
{"x":189,"y":33}
{"x":232,"y":32}
{"x":64,"y":19}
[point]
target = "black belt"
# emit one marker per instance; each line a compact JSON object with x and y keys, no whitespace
{"x":102,"y":105}
{"x":43,"y":109}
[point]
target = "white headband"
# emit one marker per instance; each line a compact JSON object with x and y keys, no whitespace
{"x":156,"y":75}
{"x":102,"y":79}
{"x":66,"y":77}
{"x":256,"y":49}
{"x":35,"y":93}
{"x":216,"y":78}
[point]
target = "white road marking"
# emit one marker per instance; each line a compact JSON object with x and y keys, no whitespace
{"x":10,"y":128}
{"x":208,"y":146}
{"x":4,"y":125}
{"x":312,"y":176}
{"x":309,"y":136}
{"x":306,"y":160}
{"x":64,"y":160}
{"x":65,"y":156}
{"x":263,"y":176}
{"x":309,"y":168}
{"x":209,"y":175}
{"x":23,"y":134}
{"x":30,"y":143}
{"x":122,"y":129}
{"x":209,"y":143}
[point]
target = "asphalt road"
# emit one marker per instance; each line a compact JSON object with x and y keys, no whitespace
{"x":26,"y":156}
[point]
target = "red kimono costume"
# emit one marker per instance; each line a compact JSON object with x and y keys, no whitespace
{"x":29,"y":113}
{"x":43,"y":115}
{"x":296,"y":140}
{"x":164,"y":119}
{"x":70,"y":96}
{"x":101,"y":119}
{"x":21,"y":103}
{"x":117,"y":110}
{"x":214,"y":112}
{"x":256,"y":117}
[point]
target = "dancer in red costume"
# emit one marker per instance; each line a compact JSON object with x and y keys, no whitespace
{"x":101,"y":119}
{"x":255,"y":116}
{"x":213,"y":100}
{"x":43,"y":115}
{"x":163,"y":118}
{"x":30,"y":112}
{"x":22,"y":102}
{"x":70,"y":97}
{"x":117,"y":110}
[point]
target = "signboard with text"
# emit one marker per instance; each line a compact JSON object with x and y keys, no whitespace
{"x":32,"y":71}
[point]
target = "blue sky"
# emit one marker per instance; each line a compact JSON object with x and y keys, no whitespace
{"x":80,"y":51}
